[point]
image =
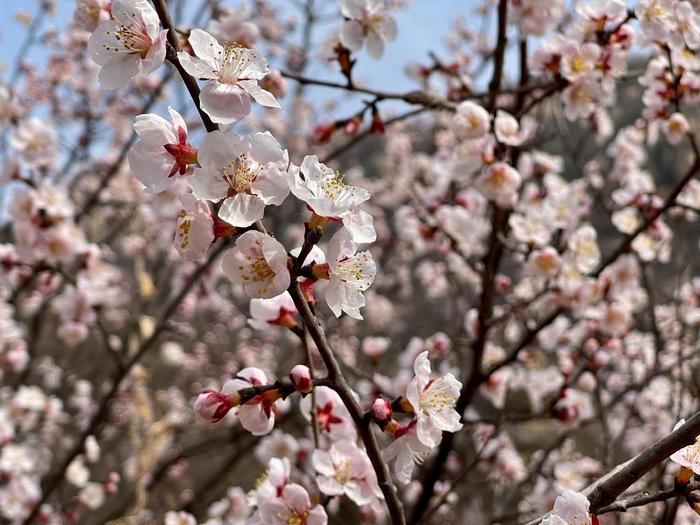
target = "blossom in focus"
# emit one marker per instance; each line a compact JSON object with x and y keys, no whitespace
{"x":324,"y":189}
{"x":277,"y":311}
{"x":300,"y":376}
{"x":248,"y":173}
{"x":331,"y":415}
{"x":367,"y":21}
{"x":293,"y":506}
{"x":259,"y":263}
{"x":232,"y":73}
{"x":350,"y":274}
{"x":346,"y":469}
{"x":194,"y":231}
{"x":256,"y":415}
{"x":129,"y":44}
{"x":161,"y":152}
{"x":211,"y":406}
{"x":433,"y":402}
{"x":688,"y":457}
{"x":571,"y":508}
{"x":35,"y":142}
{"x":406,"y":451}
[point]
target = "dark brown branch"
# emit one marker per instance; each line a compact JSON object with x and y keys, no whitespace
{"x":361,"y":422}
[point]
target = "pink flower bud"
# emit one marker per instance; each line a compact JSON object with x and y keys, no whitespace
{"x":301,"y":379}
{"x":381,"y":411}
{"x":211,"y":406}
{"x":503,"y":282}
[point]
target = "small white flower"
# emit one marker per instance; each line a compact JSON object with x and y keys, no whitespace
{"x":346,"y":469}
{"x":161,"y":152}
{"x":433,"y":402}
{"x":268,"y":312}
{"x":247,"y":172}
{"x":406,"y":450}
{"x":292,"y":506}
{"x":351,"y":273}
{"x":92,"y":495}
{"x":194,"y":232}
{"x":232,"y":72}
{"x":367,"y":21}
{"x":571,"y":508}
{"x":129,"y":44}
{"x":579,"y":61}
{"x":688,"y":457}
{"x":259,"y":263}
{"x":323,"y":189}
{"x":179,"y":518}
{"x":257,"y":415}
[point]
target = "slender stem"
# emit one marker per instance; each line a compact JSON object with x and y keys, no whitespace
{"x":361,"y":422}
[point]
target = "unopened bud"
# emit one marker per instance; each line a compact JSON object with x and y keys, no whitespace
{"x":353,"y":125}
{"x":381,"y":411}
{"x":211,"y":406}
{"x":301,"y":379}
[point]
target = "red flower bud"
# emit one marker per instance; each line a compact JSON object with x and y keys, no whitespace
{"x":211,"y":406}
{"x":381,"y":411}
{"x":301,"y":379}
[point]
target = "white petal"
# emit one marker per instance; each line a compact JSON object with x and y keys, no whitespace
{"x":262,"y":97}
{"x":154,"y":130}
{"x":375,"y":45}
{"x":208,"y":184}
{"x":117,"y":73}
{"x":352,"y":35}
{"x":156,"y":54}
{"x":151,"y":167}
{"x":224,"y":103}
{"x":219,"y":148}
{"x":196,"y":67}
{"x":206,"y":47}
{"x":242,"y":210}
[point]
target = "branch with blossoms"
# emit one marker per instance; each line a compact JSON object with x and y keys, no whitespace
{"x":511,"y":333}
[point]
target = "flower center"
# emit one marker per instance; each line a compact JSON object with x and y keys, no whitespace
{"x":233,"y":61}
{"x":353,"y":271}
{"x":240,"y":174}
{"x":333,"y":188}
{"x":258,"y":270}
{"x":131,"y":38}
{"x":436,"y":399}
{"x":297,"y":518}
{"x":342,"y":471}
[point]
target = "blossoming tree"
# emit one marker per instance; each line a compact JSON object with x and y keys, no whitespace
{"x":225,"y":299}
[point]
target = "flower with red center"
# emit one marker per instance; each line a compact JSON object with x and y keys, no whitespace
{"x":211,"y":406}
{"x":256,"y":415}
{"x":161,"y":152}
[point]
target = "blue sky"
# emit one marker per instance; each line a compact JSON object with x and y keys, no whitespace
{"x":422,"y":27}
